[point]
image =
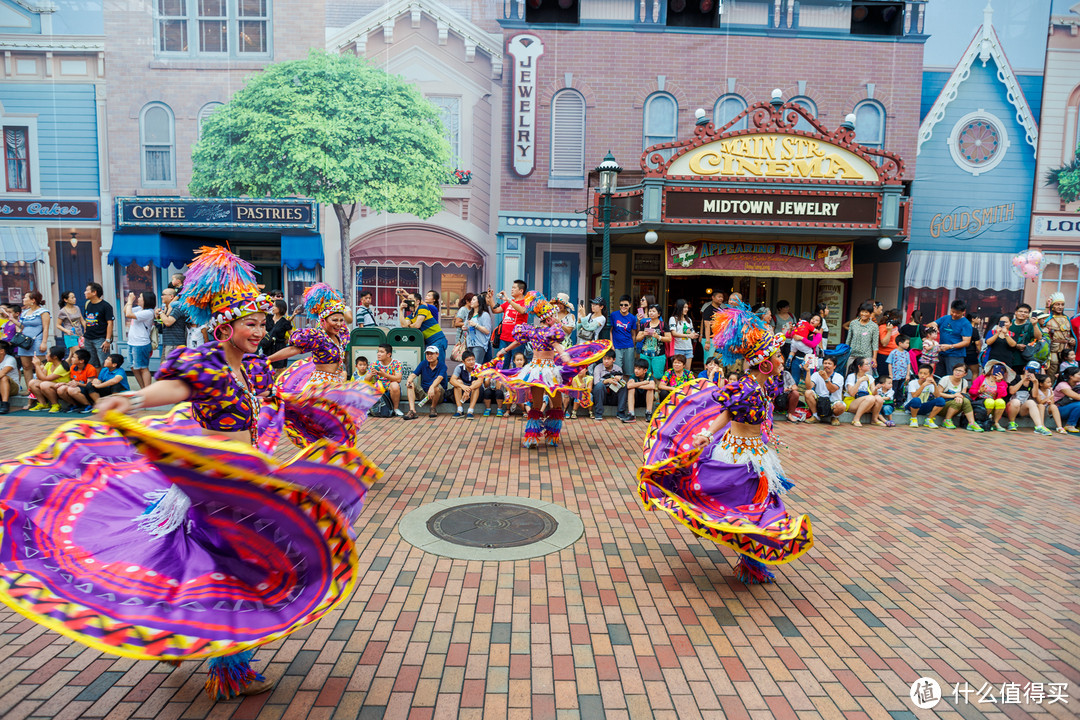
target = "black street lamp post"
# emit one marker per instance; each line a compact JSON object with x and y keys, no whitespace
{"x":608,"y":170}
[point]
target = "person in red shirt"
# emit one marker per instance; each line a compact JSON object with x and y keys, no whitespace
{"x":514,"y":313}
{"x":82,"y":372}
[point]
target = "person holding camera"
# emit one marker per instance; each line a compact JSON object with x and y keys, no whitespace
{"x":824,"y":393}
{"x":423,"y":314}
{"x":1011,"y":337}
{"x":514,"y":313}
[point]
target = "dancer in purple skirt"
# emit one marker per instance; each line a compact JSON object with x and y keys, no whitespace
{"x":162,"y":538}
{"x":728,"y":486}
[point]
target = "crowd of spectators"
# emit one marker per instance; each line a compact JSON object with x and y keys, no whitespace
{"x":943,"y":373}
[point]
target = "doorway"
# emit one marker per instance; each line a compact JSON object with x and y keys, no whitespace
{"x":75,"y":267}
{"x":561,"y":274}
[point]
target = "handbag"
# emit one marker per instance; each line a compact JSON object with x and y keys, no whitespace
{"x":458,"y":351}
{"x":21,"y":340}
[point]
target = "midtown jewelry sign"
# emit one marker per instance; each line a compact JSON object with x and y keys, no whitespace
{"x":771,"y":209}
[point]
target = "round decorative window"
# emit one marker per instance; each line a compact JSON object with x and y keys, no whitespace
{"x":978,"y":142}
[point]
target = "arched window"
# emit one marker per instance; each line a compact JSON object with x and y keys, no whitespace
{"x":727,"y":107}
{"x":157,"y":135}
{"x":811,"y":109}
{"x":206,"y":111}
{"x":870,"y":124}
{"x":661,"y":119}
{"x":567,"y":139}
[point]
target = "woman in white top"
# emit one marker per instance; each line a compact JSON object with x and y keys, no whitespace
{"x":590,"y":323}
{"x":478,"y":328}
{"x":682,"y":332}
{"x":859,"y":388}
{"x":140,"y":310}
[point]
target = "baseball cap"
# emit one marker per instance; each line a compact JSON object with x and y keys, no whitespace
{"x":431,"y":349}
{"x":598,"y":301}
{"x":1034,"y":366}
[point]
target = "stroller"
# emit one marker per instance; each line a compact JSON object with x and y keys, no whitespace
{"x":839,"y":354}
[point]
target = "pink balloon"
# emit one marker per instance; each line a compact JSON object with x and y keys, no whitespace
{"x":1035,"y":256}
{"x":1030,"y":271}
{"x":1018,"y":261}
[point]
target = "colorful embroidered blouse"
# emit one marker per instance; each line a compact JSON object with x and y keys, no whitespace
{"x":543,"y":338}
{"x":218,"y":399}
{"x":672,"y":380}
{"x":323,"y":349}
{"x":745,"y":401}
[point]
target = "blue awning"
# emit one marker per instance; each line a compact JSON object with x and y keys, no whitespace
{"x":20,"y":244}
{"x":301,"y":251}
{"x":157,"y":248}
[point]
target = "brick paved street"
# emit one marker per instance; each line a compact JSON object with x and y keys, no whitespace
{"x":938,"y":553}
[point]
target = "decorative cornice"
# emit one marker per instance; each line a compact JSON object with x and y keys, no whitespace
{"x":764,"y":117}
{"x":446,"y":21}
{"x":984,"y":46}
{"x":40,"y":8}
{"x":51,"y":43}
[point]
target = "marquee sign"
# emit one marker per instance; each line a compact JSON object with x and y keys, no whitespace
{"x":526,"y":50}
{"x":291,"y":214}
{"x":773,"y":155}
{"x":771,"y":209}
{"x":758,"y":259}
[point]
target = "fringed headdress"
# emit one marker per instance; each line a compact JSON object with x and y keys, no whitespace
{"x":739,"y":333}
{"x":219,"y":287}
{"x":321,"y":301}
{"x":539,"y":305}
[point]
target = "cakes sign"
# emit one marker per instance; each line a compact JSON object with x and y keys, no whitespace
{"x":526,"y":50}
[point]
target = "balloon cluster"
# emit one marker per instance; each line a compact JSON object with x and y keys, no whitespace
{"x":1029,"y":264}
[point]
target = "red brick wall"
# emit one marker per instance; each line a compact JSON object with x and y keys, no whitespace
{"x":616,"y":71}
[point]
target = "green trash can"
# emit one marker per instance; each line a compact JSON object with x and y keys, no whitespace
{"x":364,"y":341}
{"x":408,"y":344}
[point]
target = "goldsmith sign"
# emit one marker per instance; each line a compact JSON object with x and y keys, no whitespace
{"x":759,"y":259}
{"x":293,"y":214}
{"x":771,"y":155}
{"x":771,"y":208}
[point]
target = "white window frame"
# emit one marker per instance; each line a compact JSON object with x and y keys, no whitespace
{"x":194,"y":36}
{"x":655,"y":138}
{"x":1049,"y":285}
{"x":391,"y":312}
{"x":565,"y":176}
{"x":884,"y":125}
{"x":742,"y":124}
{"x":30,"y":123}
{"x":204,"y":112}
{"x":146,"y":182}
{"x":452,"y":134}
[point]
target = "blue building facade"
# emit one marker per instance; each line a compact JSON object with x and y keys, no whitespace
{"x":51,"y":126}
{"x":972,"y":194}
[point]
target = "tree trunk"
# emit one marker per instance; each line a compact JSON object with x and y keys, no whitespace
{"x":344,"y":218}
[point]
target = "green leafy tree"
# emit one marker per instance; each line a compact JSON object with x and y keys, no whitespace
{"x":332,"y":128}
{"x":1067,"y":179}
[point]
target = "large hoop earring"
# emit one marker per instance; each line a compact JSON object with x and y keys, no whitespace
{"x":223,"y":339}
{"x":766,"y":367}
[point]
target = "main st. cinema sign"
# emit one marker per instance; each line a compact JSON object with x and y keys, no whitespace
{"x":775,"y":156}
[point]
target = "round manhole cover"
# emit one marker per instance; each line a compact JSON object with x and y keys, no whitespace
{"x":492,"y":525}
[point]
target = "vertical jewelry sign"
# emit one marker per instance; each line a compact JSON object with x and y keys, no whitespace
{"x":526,"y":50}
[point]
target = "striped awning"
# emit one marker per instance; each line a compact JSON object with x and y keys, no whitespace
{"x":20,"y":244}
{"x":961,"y":270}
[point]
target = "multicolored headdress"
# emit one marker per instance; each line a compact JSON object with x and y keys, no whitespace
{"x":321,"y":301}
{"x":539,"y":305}
{"x":739,"y":333}
{"x":219,"y":287}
